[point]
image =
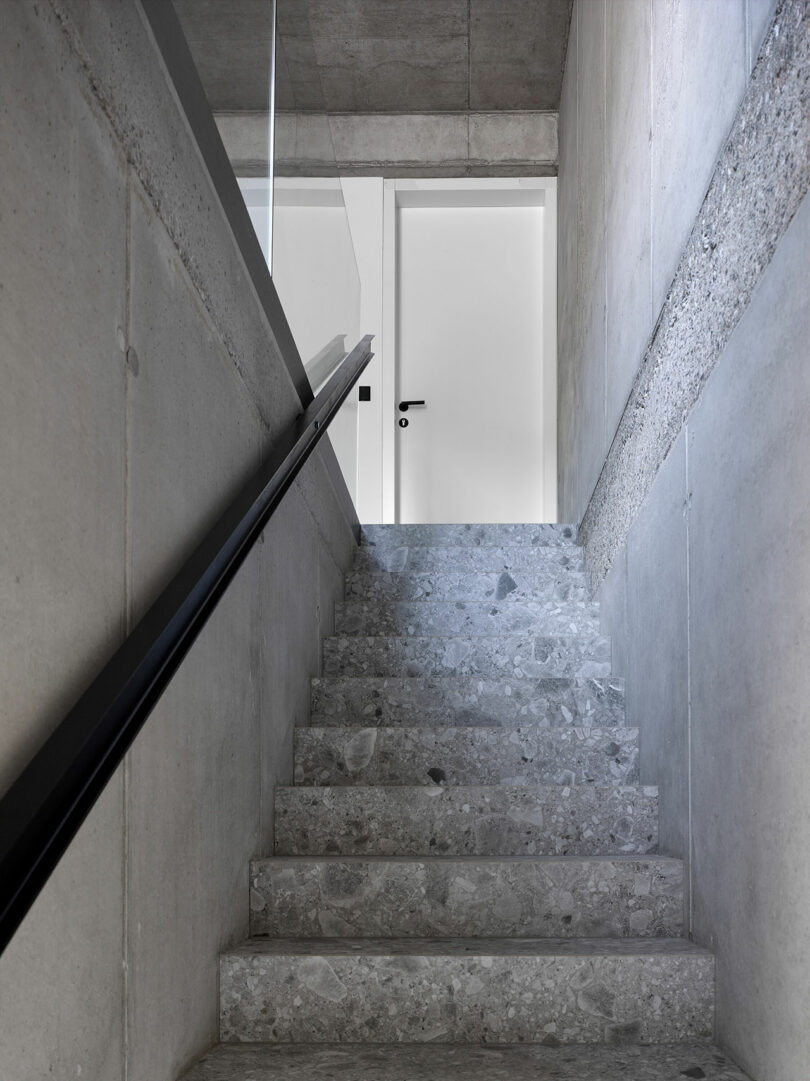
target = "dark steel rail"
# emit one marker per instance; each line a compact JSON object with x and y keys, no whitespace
{"x":46,"y":805}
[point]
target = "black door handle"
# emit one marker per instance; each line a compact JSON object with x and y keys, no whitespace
{"x":403,"y":406}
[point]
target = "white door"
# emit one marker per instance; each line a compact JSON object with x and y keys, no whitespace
{"x":470,"y":341}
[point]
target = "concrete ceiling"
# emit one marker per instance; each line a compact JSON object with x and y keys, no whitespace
{"x":381,"y":55}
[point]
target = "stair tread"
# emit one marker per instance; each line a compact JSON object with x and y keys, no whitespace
{"x":629,"y":858}
{"x":525,"y":636}
{"x":490,"y":656}
{"x":504,"y":551}
{"x":464,"y":947}
{"x":443,"y":619}
{"x":550,"y":684}
{"x":472,"y":534}
{"x":549,"y":572}
{"x":489,"y":559}
{"x":460,"y":1062}
{"x":426,"y":606}
{"x":399,"y":599}
{"x":521,"y":725}
{"x":460,"y":789}
{"x":424,"y":603}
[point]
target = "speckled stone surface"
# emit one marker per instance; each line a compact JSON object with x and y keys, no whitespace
{"x":557,"y":897}
{"x":469,"y":535}
{"x":469,"y":756}
{"x":427,"y":1062}
{"x":501,"y":820}
{"x":470,"y":860}
{"x":760,"y":179}
{"x":487,"y":657}
{"x":467,"y":700}
{"x":466,"y":990}
{"x":549,"y":584}
{"x":445,"y":618}
{"x":494,"y":559}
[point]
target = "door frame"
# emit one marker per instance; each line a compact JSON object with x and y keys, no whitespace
{"x":468,"y":192}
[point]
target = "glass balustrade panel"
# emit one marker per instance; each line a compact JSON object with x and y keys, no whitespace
{"x":258,"y":61}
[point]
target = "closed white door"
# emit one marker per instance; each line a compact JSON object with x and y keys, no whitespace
{"x":470,"y":340}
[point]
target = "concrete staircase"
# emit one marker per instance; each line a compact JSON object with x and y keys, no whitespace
{"x":467,"y":877}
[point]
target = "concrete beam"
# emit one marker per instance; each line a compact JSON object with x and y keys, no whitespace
{"x":399,"y":144}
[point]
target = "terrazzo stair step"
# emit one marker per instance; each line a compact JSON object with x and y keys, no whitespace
{"x":457,"y":1062}
{"x":466,"y":990}
{"x":528,"y":755}
{"x":554,"y":584}
{"x":467,"y":700}
{"x":489,"y":559}
{"x":467,"y":655}
{"x":519,"y":897}
{"x":486,"y":618}
{"x":474,"y":820}
{"x":473,"y":535}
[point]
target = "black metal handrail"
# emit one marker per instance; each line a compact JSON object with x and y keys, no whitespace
{"x":42,"y":811}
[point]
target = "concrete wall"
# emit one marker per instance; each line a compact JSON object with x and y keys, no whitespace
{"x":141,"y":383}
{"x":709,"y":603}
{"x":705,"y":596}
{"x":638,"y":147}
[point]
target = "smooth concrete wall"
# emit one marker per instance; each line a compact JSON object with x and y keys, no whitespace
{"x":638,"y":147}
{"x":706,"y":595}
{"x":708,"y":605}
{"x":141,"y":385}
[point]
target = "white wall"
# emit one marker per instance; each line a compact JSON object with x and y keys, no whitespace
{"x":316,"y":277}
{"x":363,"y":197}
{"x":314,"y":265}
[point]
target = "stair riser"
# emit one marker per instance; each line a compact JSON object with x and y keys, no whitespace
{"x":487,"y":658}
{"x":445,"y":898}
{"x":465,"y":999}
{"x":469,"y":560}
{"x":469,"y":536}
{"x":467,"y":700}
{"x":462,"y":618}
{"x":456,"y":821}
{"x":465,"y":756}
{"x":557,"y":585}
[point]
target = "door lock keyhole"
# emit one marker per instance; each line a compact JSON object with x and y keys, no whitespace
{"x":403,"y":422}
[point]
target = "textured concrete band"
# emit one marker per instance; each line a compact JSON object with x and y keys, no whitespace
{"x":761,"y":177}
